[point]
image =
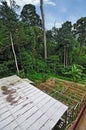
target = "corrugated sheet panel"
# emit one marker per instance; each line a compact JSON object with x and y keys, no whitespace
{"x":24,"y":107}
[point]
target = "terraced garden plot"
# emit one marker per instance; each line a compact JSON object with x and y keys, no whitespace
{"x":61,"y":88}
{"x":70,"y":93}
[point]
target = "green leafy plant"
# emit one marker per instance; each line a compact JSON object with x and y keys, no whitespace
{"x":75,"y":72}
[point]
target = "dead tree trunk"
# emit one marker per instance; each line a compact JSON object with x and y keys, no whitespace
{"x":12,"y":44}
{"x":12,"y":3}
{"x":44,"y":29}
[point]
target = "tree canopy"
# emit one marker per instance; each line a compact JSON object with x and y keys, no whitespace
{"x":21,"y":39}
{"x":29,"y":15}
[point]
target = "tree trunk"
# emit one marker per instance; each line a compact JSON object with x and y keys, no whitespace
{"x":44,"y":30}
{"x":80,"y":50}
{"x":16,"y":63}
{"x":64,"y":56}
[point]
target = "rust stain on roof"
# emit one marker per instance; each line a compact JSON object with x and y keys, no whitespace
{"x":25,"y":107}
{"x":10,"y":94}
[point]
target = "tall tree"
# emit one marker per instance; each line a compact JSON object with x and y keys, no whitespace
{"x":44,"y":29}
{"x":65,"y":40}
{"x":9,"y":18}
{"x":29,"y":15}
{"x":80,"y":32}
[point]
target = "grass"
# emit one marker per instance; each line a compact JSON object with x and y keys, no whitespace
{"x":41,"y":77}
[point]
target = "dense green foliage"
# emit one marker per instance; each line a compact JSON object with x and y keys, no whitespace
{"x":66,"y":46}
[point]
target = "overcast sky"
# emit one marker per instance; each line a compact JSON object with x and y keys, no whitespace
{"x":58,"y":11}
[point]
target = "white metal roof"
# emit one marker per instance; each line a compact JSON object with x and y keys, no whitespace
{"x":24,"y":107}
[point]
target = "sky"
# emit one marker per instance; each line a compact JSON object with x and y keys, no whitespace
{"x":58,"y":11}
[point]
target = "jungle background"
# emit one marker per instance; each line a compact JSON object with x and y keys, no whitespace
{"x":22,"y":47}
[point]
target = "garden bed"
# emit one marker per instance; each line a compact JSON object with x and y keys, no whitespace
{"x":70,"y":93}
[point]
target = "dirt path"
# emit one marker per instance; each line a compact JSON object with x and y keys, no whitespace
{"x":82,"y":122}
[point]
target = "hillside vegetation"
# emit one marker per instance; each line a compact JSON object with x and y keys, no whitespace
{"x":22,"y":50}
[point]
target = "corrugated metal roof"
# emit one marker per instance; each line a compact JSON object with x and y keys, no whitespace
{"x":24,"y":107}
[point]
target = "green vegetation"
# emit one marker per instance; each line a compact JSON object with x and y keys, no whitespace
{"x":70,"y":93}
{"x":22,"y":47}
{"x":75,"y":72}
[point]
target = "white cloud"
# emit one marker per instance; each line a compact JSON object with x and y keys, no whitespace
{"x":73,"y":18}
{"x":21,"y":3}
{"x":51,"y":21}
{"x":57,"y":24}
{"x":49,"y":2}
{"x":51,"y":24}
{"x":48,"y":17}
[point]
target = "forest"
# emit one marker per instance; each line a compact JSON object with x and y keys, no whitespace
{"x":22,"y":46}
